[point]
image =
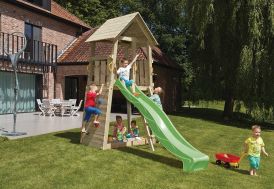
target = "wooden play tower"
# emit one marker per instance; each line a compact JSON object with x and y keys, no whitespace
{"x":125,"y":36}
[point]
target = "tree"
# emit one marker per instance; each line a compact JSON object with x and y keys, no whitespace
{"x":165,"y":18}
{"x":93,"y":12}
{"x":232,"y":51}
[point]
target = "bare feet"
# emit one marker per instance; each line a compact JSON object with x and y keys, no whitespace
{"x":251,"y":172}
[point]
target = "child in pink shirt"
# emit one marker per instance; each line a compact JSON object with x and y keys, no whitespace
{"x":119,"y":129}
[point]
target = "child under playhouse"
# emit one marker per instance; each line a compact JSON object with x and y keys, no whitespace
{"x":128,"y":35}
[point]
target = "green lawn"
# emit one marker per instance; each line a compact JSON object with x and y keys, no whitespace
{"x":58,"y":160}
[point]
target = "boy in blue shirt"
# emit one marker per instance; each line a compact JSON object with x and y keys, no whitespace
{"x":155,"y":97}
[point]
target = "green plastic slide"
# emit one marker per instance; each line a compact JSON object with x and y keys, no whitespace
{"x":164,"y":130}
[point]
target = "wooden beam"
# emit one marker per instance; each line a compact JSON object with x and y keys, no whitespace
{"x":149,"y":137}
{"x":134,"y":67}
{"x":150,"y":68}
{"x":133,"y":71}
{"x":94,"y":58}
{"x":129,"y":116}
{"x":128,"y":39}
{"x":110,"y":93}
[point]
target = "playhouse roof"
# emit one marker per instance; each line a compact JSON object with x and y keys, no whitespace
{"x":131,"y":25}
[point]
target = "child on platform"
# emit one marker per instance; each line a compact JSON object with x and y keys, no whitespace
{"x":253,"y":147}
{"x":119,"y":129}
{"x":124,"y":71}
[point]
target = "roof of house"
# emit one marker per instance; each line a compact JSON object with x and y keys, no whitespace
{"x":79,"y":52}
{"x":162,"y":59}
{"x":57,"y":11}
{"x":131,"y":25}
{"x":61,"y":12}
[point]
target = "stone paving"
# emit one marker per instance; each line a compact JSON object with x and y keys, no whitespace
{"x":34,"y":124}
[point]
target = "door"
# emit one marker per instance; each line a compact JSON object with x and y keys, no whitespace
{"x":71,"y":87}
{"x":26,"y":93}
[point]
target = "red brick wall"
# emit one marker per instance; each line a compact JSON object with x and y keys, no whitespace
{"x":53,"y":31}
{"x":13,"y":19}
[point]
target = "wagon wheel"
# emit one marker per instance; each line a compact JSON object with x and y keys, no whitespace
{"x":218,"y":162}
{"x":227,"y":165}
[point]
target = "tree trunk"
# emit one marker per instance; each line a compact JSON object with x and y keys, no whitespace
{"x":228,"y":109}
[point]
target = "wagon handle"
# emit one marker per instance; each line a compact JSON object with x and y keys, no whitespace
{"x":243,"y":154}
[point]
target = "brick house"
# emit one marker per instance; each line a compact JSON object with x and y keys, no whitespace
{"x":54,"y":64}
{"x":49,"y":29}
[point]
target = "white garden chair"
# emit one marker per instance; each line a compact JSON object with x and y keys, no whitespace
{"x":75,"y":109}
{"x":49,"y":107}
{"x":41,"y":107}
{"x":66,"y":108}
{"x":73,"y":102}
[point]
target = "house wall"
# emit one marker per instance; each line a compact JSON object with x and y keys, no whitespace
{"x":170,"y":81}
{"x":53,"y":31}
{"x":13,"y":19}
{"x":70,"y":70}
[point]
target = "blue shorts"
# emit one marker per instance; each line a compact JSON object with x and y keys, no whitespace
{"x":127,"y":82}
{"x":91,"y":110}
{"x":254,"y":162}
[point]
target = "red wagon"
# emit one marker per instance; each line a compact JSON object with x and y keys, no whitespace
{"x":229,"y":160}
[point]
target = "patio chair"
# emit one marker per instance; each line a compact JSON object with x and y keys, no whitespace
{"x":49,"y":107}
{"x":41,"y":107}
{"x":75,"y":109}
{"x":66,"y":108}
{"x":73,"y":102}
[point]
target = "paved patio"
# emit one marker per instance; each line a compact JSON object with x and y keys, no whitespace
{"x":34,"y":124}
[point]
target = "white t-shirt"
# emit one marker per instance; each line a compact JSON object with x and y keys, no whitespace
{"x":124,"y":72}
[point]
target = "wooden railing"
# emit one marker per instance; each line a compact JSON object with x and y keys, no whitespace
{"x":98,"y":72}
{"x":36,"y":53}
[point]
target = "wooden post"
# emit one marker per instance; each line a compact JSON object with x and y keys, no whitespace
{"x":149,"y":138}
{"x":150,"y":69}
{"x":134,"y":67}
{"x":133,"y":76}
{"x":129,"y":116}
{"x":91,"y":63}
{"x":110,"y":93}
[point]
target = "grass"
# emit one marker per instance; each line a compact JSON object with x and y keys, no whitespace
{"x":58,"y":161}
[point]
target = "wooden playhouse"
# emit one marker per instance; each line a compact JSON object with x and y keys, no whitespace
{"x":126,"y":35}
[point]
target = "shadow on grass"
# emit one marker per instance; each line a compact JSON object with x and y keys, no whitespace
{"x":74,"y":137}
{"x":237,"y":170}
{"x":240,"y":120}
{"x":152,"y":156}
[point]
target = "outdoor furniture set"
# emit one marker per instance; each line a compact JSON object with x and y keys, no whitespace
{"x":52,"y":107}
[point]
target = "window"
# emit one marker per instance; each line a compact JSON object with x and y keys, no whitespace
{"x":34,"y":36}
